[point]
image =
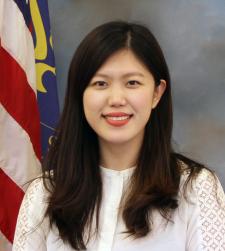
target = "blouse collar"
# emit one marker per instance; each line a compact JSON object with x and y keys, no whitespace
{"x":112,"y":173}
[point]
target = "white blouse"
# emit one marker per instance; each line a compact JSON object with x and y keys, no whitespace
{"x":198,"y":224}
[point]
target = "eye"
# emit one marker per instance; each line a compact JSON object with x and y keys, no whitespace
{"x":100,"y":84}
{"x":133,"y":83}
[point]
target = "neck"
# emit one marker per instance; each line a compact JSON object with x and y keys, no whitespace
{"x":119,"y":156}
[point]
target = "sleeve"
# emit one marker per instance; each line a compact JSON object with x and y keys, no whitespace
{"x":207,"y":220}
{"x":31,"y":228}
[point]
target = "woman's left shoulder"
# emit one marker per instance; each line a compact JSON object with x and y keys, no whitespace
{"x":205,"y":209}
{"x":204,"y":183}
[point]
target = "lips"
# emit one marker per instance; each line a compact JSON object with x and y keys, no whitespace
{"x":116,"y":114}
{"x":117,"y":118}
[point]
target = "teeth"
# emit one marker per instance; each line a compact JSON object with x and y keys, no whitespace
{"x":118,"y":118}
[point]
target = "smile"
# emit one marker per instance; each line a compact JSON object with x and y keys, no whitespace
{"x":118,"y":120}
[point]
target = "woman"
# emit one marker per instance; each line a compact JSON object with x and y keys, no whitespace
{"x":111,"y":180}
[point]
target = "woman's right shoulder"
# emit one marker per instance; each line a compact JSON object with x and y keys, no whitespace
{"x":35,"y":200}
{"x":36,"y":188}
{"x":32,"y":225}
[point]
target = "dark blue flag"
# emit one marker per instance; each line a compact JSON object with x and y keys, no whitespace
{"x":45,"y":69}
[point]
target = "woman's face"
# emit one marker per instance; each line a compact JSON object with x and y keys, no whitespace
{"x":119,"y":98}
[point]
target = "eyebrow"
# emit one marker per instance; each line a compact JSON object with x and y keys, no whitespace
{"x":129,"y":74}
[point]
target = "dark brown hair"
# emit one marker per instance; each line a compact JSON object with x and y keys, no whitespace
{"x":73,"y":160}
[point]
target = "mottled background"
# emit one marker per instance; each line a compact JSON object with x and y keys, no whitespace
{"x":192,"y":35}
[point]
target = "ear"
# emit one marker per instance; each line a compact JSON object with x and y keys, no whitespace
{"x":158,"y":92}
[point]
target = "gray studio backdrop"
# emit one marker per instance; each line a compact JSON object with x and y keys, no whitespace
{"x":192,"y":35}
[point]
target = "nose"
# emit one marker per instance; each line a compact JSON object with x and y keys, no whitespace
{"x":116,"y":97}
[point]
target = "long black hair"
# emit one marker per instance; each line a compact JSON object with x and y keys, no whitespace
{"x":71,"y":170}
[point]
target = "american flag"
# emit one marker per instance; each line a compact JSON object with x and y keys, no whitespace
{"x":26,"y":68}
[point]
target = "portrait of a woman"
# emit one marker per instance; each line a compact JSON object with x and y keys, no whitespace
{"x":111,"y":180}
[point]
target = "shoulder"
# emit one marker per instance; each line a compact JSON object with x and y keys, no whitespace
{"x":36,"y":190}
{"x":36,"y":185}
{"x":35,"y":201}
{"x":210,"y":196}
{"x":203,"y":183}
{"x":206,"y":209}
{"x":32,"y":226}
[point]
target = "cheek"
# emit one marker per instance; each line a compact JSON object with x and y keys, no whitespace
{"x":142,"y":104}
{"x":142,"y":101}
{"x":92,"y":102}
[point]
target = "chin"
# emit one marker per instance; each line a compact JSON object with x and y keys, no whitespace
{"x":116,"y":140}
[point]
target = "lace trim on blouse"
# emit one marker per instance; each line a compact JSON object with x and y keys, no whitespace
{"x":28,"y":222}
{"x":211,"y":200}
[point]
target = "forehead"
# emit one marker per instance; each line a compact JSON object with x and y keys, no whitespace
{"x":123,"y":62}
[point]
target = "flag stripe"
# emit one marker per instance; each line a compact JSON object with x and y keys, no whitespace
{"x":17,"y":40}
{"x":9,"y":206}
{"x":17,"y":157}
{"x":1,"y":18}
{"x":25,"y":10}
{"x":19,"y":115}
{"x":19,"y":99}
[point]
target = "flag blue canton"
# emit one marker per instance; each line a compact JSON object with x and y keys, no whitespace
{"x":45,"y":68}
